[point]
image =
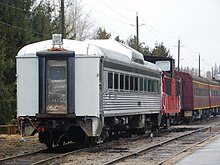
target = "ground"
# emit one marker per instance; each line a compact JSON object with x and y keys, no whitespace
{"x":15,"y":145}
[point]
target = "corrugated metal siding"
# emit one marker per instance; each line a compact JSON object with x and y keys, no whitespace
{"x":128,"y":104}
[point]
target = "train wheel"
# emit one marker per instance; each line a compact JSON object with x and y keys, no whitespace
{"x":142,"y":131}
{"x":60,"y":143}
{"x":89,"y":141}
{"x":49,"y":143}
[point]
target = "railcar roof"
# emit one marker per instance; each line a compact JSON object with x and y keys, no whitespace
{"x":200,"y":79}
{"x":107,"y":48}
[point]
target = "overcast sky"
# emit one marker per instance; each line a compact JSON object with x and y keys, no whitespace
{"x":195,"y":22}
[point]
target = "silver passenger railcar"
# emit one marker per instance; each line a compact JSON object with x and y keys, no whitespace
{"x":85,"y":91}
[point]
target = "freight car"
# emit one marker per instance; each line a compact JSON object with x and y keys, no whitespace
{"x":85,"y":91}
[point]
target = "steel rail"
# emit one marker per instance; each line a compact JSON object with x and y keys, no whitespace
{"x":119,"y":159}
{"x":190,"y":147}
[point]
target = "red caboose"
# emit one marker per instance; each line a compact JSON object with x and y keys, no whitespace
{"x":171,"y":95}
{"x":170,"y":88}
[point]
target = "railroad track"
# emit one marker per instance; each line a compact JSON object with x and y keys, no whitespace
{"x":162,"y":152}
{"x":121,"y":150}
{"x":40,"y":157}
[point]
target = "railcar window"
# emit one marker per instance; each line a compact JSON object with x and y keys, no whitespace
{"x":136,"y":83}
{"x":57,"y":73}
{"x":116,"y":81}
{"x":196,"y":92}
{"x":110,"y":80}
{"x":131,"y":83}
{"x":177,"y":88}
{"x":201,"y":92}
{"x":126,"y":82}
{"x":145,"y":84}
{"x":149,"y":85}
{"x":153,"y":86}
{"x":141,"y":84}
{"x":157,"y":87}
{"x":168,"y":86}
{"x":122,"y":81}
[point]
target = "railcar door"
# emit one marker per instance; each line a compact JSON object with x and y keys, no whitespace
{"x":56,"y":82}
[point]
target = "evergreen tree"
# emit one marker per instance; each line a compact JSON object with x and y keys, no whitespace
{"x":41,"y":22}
{"x":101,"y":34}
{"x":160,"y":50}
{"x":142,"y":48}
{"x":21,"y":23}
{"x":15,"y":33}
{"x":132,"y":42}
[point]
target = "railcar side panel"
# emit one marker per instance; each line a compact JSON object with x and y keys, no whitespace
{"x":214,"y":95}
{"x":131,"y":104}
{"x":27,"y":86}
{"x":187,"y":100}
{"x":131,"y":91}
{"x":87,"y":86}
{"x":201,"y":95}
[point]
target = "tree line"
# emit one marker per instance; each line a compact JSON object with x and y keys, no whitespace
{"x":27,"y":21}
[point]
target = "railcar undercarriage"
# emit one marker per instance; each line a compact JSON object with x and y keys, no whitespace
{"x":89,"y":130}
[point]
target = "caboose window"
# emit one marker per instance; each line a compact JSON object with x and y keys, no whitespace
{"x":57,"y":73}
{"x":110,"y":80}
{"x":177,"y":88}
{"x":168,"y":86}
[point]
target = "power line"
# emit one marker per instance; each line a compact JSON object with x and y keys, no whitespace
{"x":122,"y":6}
{"x":142,"y":19}
{"x":11,"y":6}
{"x":27,"y":30}
{"x":193,"y":55}
{"x":152,"y":32}
{"x":157,"y":30}
{"x":107,"y":28}
{"x":115,"y":11}
{"x":107,"y":15}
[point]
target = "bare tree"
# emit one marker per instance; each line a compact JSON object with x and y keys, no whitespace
{"x":78,"y":22}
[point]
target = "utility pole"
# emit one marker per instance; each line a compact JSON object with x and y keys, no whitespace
{"x":199,"y":65}
{"x":178,"y":68}
{"x":137,"y":26}
{"x":62,"y":20}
